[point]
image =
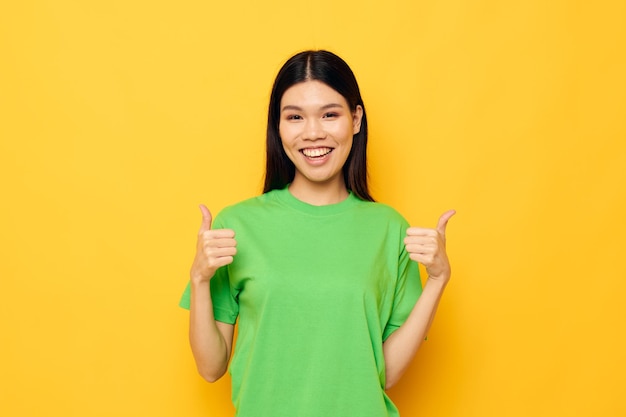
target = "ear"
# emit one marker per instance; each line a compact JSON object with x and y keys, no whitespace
{"x":357,"y":116}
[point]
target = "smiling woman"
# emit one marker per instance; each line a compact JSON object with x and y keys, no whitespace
{"x":326,"y":71}
{"x":322,"y":281}
{"x":316,"y":130}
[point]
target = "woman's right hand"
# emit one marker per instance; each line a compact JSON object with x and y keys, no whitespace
{"x":215,"y":248}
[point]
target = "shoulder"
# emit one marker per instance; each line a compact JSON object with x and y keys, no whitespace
{"x":382,"y":212}
{"x":247,"y":207}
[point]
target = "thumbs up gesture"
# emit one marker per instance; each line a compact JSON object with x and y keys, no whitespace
{"x":428,"y":247}
{"x":215,"y":248}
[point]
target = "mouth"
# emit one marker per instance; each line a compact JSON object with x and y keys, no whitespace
{"x":316,"y":153}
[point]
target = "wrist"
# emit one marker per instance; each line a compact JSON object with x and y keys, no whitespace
{"x":439,"y":280}
{"x":199,"y":274}
{"x":199,"y":279}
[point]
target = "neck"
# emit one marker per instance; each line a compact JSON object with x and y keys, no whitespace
{"x":319,"y":194}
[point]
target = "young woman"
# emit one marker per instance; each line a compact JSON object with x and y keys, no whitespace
{"x":323,"y":281}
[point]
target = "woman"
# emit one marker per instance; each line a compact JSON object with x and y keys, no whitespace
{"x":323,"y":281}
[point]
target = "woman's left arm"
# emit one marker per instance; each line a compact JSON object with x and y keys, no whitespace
{"x":428,"y":247}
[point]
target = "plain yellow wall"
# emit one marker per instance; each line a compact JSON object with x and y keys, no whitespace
{"x":117,"y":118}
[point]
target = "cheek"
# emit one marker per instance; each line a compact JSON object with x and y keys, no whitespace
{"x":349,"y":146}
{"x":288,"y":133}
{"x":283,"y":131}
{"x":344,"y":130}
{"x":282,"y":134}
{"x":284,"y":142}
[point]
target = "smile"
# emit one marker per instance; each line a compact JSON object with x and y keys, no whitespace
{"x":316,"y":152}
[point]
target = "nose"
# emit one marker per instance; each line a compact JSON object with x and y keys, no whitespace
{"x":313,"y":130}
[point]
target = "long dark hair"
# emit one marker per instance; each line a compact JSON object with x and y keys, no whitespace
{"x":333,"y":71}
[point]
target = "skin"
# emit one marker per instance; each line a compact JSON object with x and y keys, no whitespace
{"x":427,"y":246}
{"x":316,"y":129}
{"x":211,"y":341}
{"x":316,"y":120}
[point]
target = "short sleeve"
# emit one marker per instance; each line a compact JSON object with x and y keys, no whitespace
{"x":225,"y":306}
{"x":407,"y":292}
{"x":223,"y":296}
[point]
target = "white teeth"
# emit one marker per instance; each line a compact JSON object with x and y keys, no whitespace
{"x":316,"y":152}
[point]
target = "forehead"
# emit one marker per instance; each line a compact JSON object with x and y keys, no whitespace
{"x":311,"y":94}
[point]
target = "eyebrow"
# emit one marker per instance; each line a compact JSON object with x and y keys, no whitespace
{"x":325,"y":107}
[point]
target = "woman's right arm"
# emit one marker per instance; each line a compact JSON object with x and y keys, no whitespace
{"x":211,"y":341}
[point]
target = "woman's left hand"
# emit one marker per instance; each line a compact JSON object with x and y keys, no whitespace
{"x":428,"y":247}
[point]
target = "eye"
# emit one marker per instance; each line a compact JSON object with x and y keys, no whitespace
{"x":294,"y":117}
{"x":330,"y":115}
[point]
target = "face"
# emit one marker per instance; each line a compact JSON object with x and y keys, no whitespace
{"x":316,"y":129}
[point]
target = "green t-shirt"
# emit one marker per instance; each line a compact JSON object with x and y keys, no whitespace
{"x":316,"y":290}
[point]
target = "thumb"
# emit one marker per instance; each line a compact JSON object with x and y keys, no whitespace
{"x":443,"y":222}
{"x":206,"y":218}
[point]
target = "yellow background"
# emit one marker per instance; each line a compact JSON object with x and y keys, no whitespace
{"x":118,"y":118}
